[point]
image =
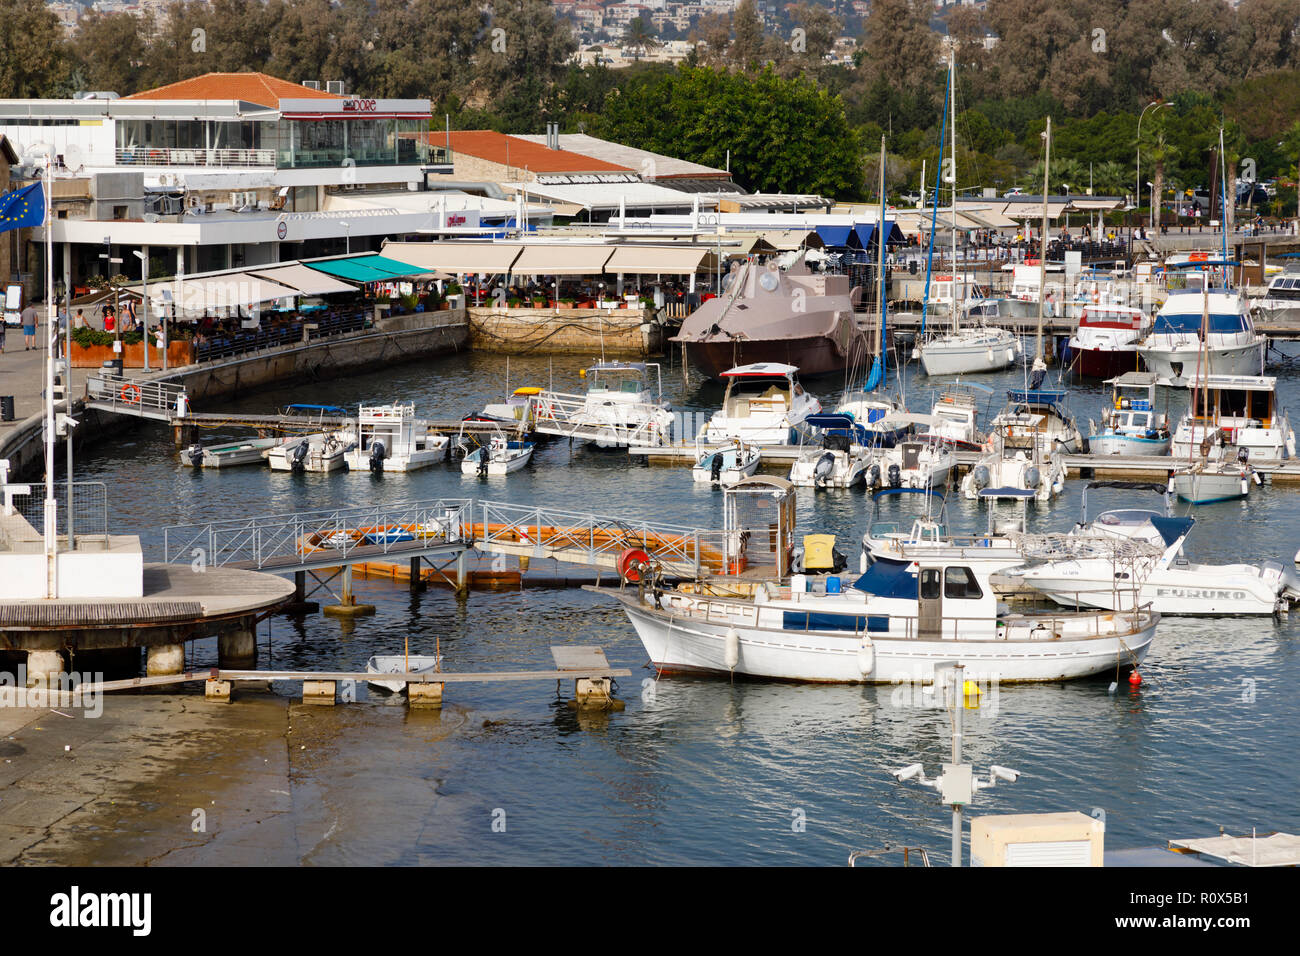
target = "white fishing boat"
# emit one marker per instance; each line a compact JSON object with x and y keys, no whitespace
{"x":834,"y":452}
{"x":762,"y":405}
{"x":1208,"y":480}
{"x":1136,"y":573}
{"x":400,"y":664}
{"x":1243,"y":409}
{"x":1130,"y":425}
{"x":956,"y":415}
{"x":892,"y":625}
{"x":1008,"y":468}
{"x":497,"y":457}
{"x":725,"y":466}
{"x":1057,"y":429}
{"x":315,"y":453}
{"x":390,"y":438}
{"x":1232,"y":346}
{"x":923,"y":463}
{"x":251,"y":451}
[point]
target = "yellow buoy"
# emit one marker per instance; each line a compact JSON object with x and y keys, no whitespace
{"x":971,"y":692}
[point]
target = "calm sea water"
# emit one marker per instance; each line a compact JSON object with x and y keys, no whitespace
{"x":701,"y":770}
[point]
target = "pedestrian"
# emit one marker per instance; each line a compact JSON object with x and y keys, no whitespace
{"x":80,"y":321}
{"x":29,"y":327}
{"x":3,"y":325}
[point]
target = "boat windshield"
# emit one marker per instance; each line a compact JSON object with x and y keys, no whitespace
{"x":626,"y":380}
{"x":769,"y":387}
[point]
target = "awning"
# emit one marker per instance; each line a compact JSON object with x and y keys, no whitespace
{"x":835,"y":236}
{"x":368,"y":268}
{"x":681,"y":260}
{"x":458,"y":258}
{"x":561,"y":259}
{"x":783,"y":240}
{"x":212,"y":293}
{"x":866,"y":230}
{"x":306,"y":281}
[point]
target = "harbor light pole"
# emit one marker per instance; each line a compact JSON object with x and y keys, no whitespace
{"x":957,"y":784}
{"x":1137,"y":190}
{"x":143,"y":256}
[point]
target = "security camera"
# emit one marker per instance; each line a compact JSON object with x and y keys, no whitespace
{"x":1003,"y":773}
{"x":907,"y":773}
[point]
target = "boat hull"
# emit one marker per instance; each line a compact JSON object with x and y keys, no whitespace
{"x":1109,"y":443}
{"x":1207,"y":488}
{"x":812,"y":355}
{"x":1105,"y":363}
{"x":1177,"y":366}
{"x":941,"y":357}
{"x":692,"y":646}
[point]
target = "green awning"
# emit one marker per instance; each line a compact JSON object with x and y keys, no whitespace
{"x":367,"y":268}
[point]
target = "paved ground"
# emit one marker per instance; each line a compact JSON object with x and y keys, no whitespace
{"x":22,"y":375}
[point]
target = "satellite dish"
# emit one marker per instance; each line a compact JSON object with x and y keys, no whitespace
{"x":73,"y":159}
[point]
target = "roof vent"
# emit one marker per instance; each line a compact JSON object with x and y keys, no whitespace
{"x":334,"y":86}
{"x":311,"y":84}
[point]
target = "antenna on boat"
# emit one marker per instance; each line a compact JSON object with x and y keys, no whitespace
{"x":1042,"y":246}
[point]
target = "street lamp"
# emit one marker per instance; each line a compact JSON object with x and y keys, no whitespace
{"x":144,"y":302}
{"x":1137,"y":192}
{"x":347,"y":235}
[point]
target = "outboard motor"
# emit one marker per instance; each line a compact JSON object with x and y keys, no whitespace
{"x":483,"y":462}
{"x":895,"y":475}
{"x":1032,"y":476}
{"x":377,"y":455}
{"x":824,"y":469}
{"x":980,"y":476}
{"x":715,"y":468}
{"x":195,"y":454}
{"x":874,"y":478}
{"x":297,"y":460}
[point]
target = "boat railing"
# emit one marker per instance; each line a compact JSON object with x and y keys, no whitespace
{"x":271,"y":540}
{"x":630,"y":423}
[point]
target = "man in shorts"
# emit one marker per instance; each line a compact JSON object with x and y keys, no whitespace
{"x":29,"y":327}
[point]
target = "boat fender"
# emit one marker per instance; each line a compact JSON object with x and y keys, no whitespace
{"x":1011,"y":355}
{"x":866,"y":656}
{"x":731,"y":648}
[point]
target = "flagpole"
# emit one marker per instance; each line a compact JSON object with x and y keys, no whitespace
{"x":51,"y":337}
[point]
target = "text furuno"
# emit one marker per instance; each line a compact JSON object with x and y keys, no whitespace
{"x":76,"y":909}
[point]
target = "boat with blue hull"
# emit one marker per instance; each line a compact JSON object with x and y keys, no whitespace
{"x":1130,"y":424}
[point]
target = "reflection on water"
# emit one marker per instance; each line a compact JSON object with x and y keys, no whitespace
{"x":699,"y":771}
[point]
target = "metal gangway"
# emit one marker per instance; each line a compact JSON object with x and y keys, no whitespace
{"x":601,"y":541}
{"x":312,"y":540}
{"x":160,"y":401}
{"x":625,"y":425}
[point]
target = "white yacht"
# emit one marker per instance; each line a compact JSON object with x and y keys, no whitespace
{"x":1130,"y":425}
{"x":762,"y":405}
{"x":834,"y":452}
{"x":1106,"y":339}
{"x":1174,"y":348}
{"x":390,"y":438}
{"x":1242,"y":410}
{"x":923,"y":463}
{"x":1057,"y":428}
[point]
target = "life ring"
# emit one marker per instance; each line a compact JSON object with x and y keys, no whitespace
{"x":131,"y":394}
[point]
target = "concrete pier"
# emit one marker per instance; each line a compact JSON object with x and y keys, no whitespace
{"x":424,"y":696}
{"x":164,"y":659}
{"x":43,"y":668}
{"x":237,"y":649}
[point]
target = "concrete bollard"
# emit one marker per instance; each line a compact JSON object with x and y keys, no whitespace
{"x":322,"y":692}
{"x":595,"y":693}
{"x":43,"y":668}
{"x":237,"y":650}
{"x":420,"y":696}
{"x":217,"y":690}
{"x":164,"y":659}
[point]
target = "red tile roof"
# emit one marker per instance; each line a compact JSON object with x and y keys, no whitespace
{"x":250,"y":87}
{"x":520,"y":153}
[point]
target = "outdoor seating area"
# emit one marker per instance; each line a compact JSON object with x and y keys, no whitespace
{"x":224,"y":341}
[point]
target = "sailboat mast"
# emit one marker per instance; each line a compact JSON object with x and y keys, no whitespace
{"x":1042,"y":244}
{"x":952,"y":107}
{"x":880,"y":264}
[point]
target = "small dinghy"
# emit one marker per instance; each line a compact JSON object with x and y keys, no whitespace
{"x":499,"y":456}
{"x":400,"y":664}
{"x":727,"y":465}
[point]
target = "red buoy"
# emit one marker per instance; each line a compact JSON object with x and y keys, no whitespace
{"x":1135,"y":679}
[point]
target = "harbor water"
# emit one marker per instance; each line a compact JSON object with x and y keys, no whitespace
{"x":703,"y":770}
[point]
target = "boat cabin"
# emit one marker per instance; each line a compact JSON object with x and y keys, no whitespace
{"x":624,"y":382}
{"x":763,"y":388}
{"x":396,"y":427}
{"x":1035,"y":417}
{"x":1099,"y":316}
{"x":1243,"y":400}
{"x":758,"y":525}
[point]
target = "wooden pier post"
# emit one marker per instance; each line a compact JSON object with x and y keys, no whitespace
{"x":417,"y":581}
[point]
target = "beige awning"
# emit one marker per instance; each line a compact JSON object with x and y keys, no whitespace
{"x":305,"y":281}
{"x":1092,"y":205}
{"x":561,"y":259}
{"x":783,"y":240}
{"x":456,"y":258}
{"x":215,"y":293}
{"x":661,"y":260}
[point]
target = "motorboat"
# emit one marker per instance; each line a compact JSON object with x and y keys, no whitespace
{"x":926,"y":535}
{"x":834,"y":452}
{"x":1126,"y":523}
{"x":762,"y":405}
{"x":893,"y":624}
{"x":621,"y":406}
{"x":1281,"y":300}
{"x":497,"y":457}
{"x":726,"y":465}
{"x":956,"y":415}
{"x":315,"y":453}
{"x":400,"y":664}
{"x":1244,"y":410}
{"x":516,"y":409}
{"x":1105,"y":342}
{"x":769,"y":315}
{"x":923,"y":463}
{"x":1008,"y":468}
{"x":390,"y":438}
{"x":1178,"y":352}
{"x":1130,"y":425}
{"x":1141,"y":574}
{"x":252,"y":451}
{"x":1212,"y":479}
{"x":878,"y":417}
{"x":1057,"y":428}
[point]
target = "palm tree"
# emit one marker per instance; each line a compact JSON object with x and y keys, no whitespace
{"x":640,"y":34}
{"x":1157,"y":150}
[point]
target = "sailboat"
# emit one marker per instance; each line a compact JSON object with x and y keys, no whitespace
{"x":975,"y":348}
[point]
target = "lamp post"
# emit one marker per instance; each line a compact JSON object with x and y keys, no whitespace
{"x":1137,"y":184}
{"x":144,"y":302}
{"x":347,"y":235}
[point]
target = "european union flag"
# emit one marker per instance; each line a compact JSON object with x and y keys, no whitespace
{"x":22,"y":208}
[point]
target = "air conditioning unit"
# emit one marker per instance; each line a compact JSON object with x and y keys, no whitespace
{"x":1037,"y":839}
{"x":334,"y":86}
{"x":311,"y":84}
